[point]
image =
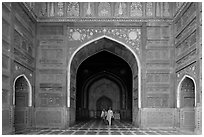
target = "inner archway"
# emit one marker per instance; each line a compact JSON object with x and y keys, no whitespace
{"x":186,"y":102}
{"x":103,"y":103}
{"x":116,"y":50}
{"x":187,"y":93}
{"x":22,"y":101}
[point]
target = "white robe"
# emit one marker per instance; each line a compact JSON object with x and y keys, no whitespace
{"x":109,"y":116}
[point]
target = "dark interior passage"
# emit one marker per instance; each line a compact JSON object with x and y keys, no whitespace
{"x":21,"y":103}
{"x":187,"y":93}
{"x":104,"y":80}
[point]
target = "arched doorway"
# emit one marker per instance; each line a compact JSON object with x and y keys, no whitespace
{"x":98,"y":77}
{"x":103,"y":103}
{"x":116,"y":49}
{"x":186,"y":101}
{"x":187,"y":91}
{"x":22,"y":101}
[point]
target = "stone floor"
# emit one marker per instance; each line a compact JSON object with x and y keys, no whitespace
{"x":97,"y":127}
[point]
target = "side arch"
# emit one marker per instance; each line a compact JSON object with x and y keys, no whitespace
{"x":29,"y":92}
{"x":178,"y":103}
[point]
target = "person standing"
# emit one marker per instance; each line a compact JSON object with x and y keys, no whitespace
{"x":109,"y":116}
{"x":104,"y":115}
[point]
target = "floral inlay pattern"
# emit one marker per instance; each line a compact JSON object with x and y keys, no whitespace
{"x":131,"y":36}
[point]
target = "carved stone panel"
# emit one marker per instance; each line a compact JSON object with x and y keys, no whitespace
{"x":72,"y":9}
{"x":149,"y":9}
{"x":157,"y":77}
{"x":184,"y":19}
{"x":190,"y":70}
{"x":158,"y":32}
{"x":27,"y":22}
{"x":161,"y":54}
{"x":23,"y":57}
{"x":88,"y":9}
{"x":5,"y":82}
{"x":159,"y":9}
{"x":20,"y":69}
{"x":165,"y":65}
{"x":155,"y":117}
{"x":51,"y":41}
{"x":153,"y":89}
{"x":100,"y":10}
{"x":104,"y":9}
{"x":157,"y":43}
{"x":5,"y":29}
{"x":157,"y":100}
{"x":120,"y":9}
{"x":51,"y":78}
{"x":6,"y":119}
{"x":5,"y":96}
{"x":17,"y":39}
{"x":50,"y":99}
{"x":5,"y":46}
{"x":166,"y":9}
{"x":131,"y":36}
{"x":43,"y":9}
{"x":51,"y":55}
{"x":48,"y":118}
{"x":186,"y":58}
{"x":60,"y":8}
{"x":51,"y":30}
{"x":186,"y":44}
{"x":136,"y":9}
{"x":5,"y":62}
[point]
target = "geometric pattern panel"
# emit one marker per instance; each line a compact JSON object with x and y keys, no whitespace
{"x":102,"y":9}
{"x":49,"y":117}
{"x":158,"y":117}
{"x":189,"y":118}
{"x":157,"y":100}
{"x":19,"y":116}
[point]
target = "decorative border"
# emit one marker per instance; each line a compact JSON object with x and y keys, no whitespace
{"x":65,"y":19}
{"x":131,"y":36}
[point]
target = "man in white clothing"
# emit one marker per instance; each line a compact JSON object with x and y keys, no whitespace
{"x":109,"y":116}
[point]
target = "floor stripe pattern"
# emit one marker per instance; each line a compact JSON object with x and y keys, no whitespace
{"x":97,"y":127}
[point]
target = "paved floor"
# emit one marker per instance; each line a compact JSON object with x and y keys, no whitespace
{"x":97,"y":127}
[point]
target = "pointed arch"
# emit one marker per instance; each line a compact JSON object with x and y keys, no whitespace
{"x":178,"y":103}
{"x":29,"y":92}
{"x":87,"y":43}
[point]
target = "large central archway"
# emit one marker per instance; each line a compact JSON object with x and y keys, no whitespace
{"x":116,"y":48}
{"x":103,"y":75}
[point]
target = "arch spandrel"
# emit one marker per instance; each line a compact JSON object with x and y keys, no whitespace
{"x":128,"y":36}
{"x":98,"y":46}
